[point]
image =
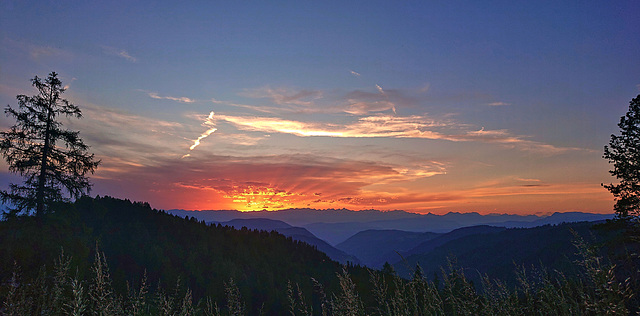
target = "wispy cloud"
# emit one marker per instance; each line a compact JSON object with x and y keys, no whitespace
{"x":258,"y":182}
{"x":122,"y":140}
{"x":68,"y":85}
{"x":498,"y":104}
{"x":141,"y":156}
{"x":357,"y":107}
{"x":372,"y":126}
{"x":36,"y":51}
{"x":365,"y":102}
{"x":527,"y":180}
{"x":387,"y":126}
{"x":290,"y":100}
{"x":284,"y":96}
{"x":354,"y":73}
{"x":155,"y":95}
{"x":119,"y":53}
{"x":208,"y":181}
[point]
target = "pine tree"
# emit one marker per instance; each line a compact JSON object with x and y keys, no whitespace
{"x":624,"y":152}
{"x":32,"y":149}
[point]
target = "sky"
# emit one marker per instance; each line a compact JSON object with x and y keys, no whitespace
{"x":422,"y":106}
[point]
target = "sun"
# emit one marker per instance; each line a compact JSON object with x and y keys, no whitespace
{"x":256,"y":198}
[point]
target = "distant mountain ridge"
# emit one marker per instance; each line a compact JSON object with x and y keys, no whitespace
{"x":497,"y":250}
{"x":433,"y":243}
{"x":335,"y":226}
{"x":375,"y":247}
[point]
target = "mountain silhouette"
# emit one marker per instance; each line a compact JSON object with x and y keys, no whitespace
{"x":498,"y":251}
{"x":336,"y":226}
{"x":296,"y":233}
{"x":374,"y":247}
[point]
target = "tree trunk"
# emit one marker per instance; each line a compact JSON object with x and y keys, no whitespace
{"x":43,"y":167}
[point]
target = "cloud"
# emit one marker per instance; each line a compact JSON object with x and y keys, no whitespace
{"x":499,"y":104}
{"x":207,"y":181}
{"x":372,"y":126}
{"x":208,"y":123}
{"x":306,"y":101}
{"x":357,"y":107}
{"x":419,"y":127}
{"x":119,"y":53}
{"x":354,"y":73}
{"x":527,"y":180}
{"x":68,"y":85}
{"x":141,"y":158}
{"x":155,"y":95}
{"x":366,"y":102}
{"x":36,"y":51}
{"x":557,"y":189}
{"x":285,"y":96}
{"x":254,"y":182}
{"x":40,"y":51}
{"x":261,"y":109}
{"x":121,"y":139}
{"x":205,"y":134}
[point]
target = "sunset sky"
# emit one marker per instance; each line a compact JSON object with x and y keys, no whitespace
{"x":424,"y":106}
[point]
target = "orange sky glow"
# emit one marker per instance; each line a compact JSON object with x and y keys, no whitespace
{"x":424,"y":107}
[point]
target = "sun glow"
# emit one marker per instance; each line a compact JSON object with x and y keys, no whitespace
{"x":254,"y":198}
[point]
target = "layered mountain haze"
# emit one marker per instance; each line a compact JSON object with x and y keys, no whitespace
{"x":375,"y":247}
{"x":376,"y":238}
{"x":433,"y":243}
{"x":498,"y":251}
{"x":335,"y":226}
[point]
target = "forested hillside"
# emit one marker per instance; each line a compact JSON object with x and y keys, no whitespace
{"x":124,"y":258}
{"x":136,"y":238}
{"x":497,"y":252}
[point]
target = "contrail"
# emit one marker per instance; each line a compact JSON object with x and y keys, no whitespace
{"x":393,"y":106}
{"x":204,"y":135}
{"x":208,"y":122}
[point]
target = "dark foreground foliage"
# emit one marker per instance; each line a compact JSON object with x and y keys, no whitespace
{"x":137,"y":239}
{"x":157,"y":264}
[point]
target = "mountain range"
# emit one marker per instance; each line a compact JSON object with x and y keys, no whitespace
{"x":375,"y":247}
{"x":404,"y":240}
{"x":336,"y":226}
{"x":499,"y":252}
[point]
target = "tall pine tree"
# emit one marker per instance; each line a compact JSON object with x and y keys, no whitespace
{"x":624,"y":152}
{"x":53,"y":161}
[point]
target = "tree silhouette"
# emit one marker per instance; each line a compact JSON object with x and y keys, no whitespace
{"x":624,"y":152}
{"x":31,"y":149}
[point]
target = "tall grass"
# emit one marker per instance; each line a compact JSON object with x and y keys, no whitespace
{"x":538,"y":292}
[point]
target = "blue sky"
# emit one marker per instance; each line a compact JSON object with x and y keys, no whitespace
{"x":493,"y":106}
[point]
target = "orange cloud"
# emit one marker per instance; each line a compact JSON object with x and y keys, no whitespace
{"x":293,"y":181}
{"x":254,"y":183}
{"x":388,"y":126}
